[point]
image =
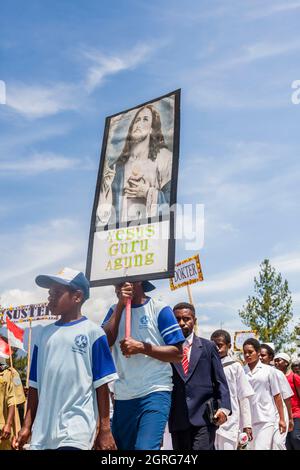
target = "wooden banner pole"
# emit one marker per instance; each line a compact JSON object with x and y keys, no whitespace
{"x":128,"y":319}
{"x":28,"y":353}
{"x":192,"y":302}
{"x":190,"y":294}
{"x":15,"y":400}
{"x":28,"y":363}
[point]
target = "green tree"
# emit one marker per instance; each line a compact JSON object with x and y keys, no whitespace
{"x":270,"y":310}
{"x":20,"y":364}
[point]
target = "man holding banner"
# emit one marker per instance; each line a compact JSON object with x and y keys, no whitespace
{"x":143,"y":389}
{"x":137,"y":179}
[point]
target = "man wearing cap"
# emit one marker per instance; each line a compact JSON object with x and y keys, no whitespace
{"x":282,"y":362}
{"x":143,"y":389}
{"x":70,"y":369}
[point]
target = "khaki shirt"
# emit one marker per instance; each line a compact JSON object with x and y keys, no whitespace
{"x":19,"y":391}
{"x":6,"y":395}
{"x":11,"y":389}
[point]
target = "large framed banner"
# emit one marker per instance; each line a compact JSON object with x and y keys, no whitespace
{"x":132,"y":224}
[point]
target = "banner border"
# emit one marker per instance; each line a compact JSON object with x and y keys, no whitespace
{"x":173,"y":199}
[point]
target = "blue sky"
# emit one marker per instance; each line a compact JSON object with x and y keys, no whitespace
{"x":67,"y":65}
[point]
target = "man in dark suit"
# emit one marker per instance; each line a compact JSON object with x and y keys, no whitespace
{"x":197,"y":379}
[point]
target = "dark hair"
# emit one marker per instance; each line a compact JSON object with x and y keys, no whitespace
{"x":270,"y":351}
{"x":157,"y":140}
{"x":183,"y":305}
{"x":252,"y":342}
{"x":221,"y":334}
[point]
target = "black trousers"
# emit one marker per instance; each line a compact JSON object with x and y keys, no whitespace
{"x":194,"y":438}
{"x":293,"y":438}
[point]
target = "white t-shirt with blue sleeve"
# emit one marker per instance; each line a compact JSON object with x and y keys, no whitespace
{"x":69,"y":362}
{"x":139,"y":375}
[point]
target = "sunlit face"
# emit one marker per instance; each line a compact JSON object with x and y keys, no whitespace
{"x":264,"y":356}
{"x":250,"y":354}
{"x":142,"y":125}
{"x":281,"y":364}
{"x":61,"y":299}
{"x":222,"y":346}
{"x":186,"y":320}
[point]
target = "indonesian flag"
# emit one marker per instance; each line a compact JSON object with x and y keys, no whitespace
{"x":4,"y":349}
{"x":15,"y":334}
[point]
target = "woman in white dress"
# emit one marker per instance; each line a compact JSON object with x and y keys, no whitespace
{"x":267,"y":399}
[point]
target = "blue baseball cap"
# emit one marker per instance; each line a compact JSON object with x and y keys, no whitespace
{"x":148,"y":286}
{"x":66,"y":277}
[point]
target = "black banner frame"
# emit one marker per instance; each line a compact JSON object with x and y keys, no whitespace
{"x":173,"y":200}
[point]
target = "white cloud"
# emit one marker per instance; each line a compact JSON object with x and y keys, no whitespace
{"x":96,"y":307}
{"x":29,"y":135}
{"x":246,"y":54}
{"x":243,"y":277}
{"x":104,"y":66}
{"x":43,"y":246}
{"x":228,"y":228}
{"x":214,"y":94}
{"x":264,"y":50}
{"x":229,"y":283}
{"x":232,"y":183}
{"x":267,"y":10}
{"x":40,"y":163}
{"x":35,"y":101}
{"x":224,"y":82}
{"x":288,"y":263}
{"x":15,"y":297}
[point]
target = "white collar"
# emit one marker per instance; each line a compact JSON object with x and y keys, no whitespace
{"x":189,"y":339}
{"x":259,"y":365}
{"x":226,"y":359}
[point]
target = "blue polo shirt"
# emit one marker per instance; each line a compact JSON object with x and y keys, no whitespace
{"x":69,"y":362}
{"x":139,"y":375}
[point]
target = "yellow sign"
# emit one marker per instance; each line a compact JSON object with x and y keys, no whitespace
{"x":23,"y":313}
{"x":241,"y":336}
{"x":187,"y":272}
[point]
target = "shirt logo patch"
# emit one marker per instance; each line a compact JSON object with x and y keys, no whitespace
{"x":144,"y":321}
{"x":81,"y":343}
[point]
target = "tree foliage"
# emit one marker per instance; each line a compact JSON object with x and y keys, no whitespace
{"x":270,"y":310}
{"x":20,"y":364}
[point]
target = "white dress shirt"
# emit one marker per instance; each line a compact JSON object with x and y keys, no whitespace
{"x":264,"y":382}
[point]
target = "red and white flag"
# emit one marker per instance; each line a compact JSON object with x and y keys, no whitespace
{"x":4,"y":349}
{"x":15,"y":334}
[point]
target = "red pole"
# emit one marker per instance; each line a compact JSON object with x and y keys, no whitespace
{"x":128,"y":319}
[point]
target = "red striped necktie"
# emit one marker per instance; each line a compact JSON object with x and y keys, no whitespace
{"x":185,"y":359}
